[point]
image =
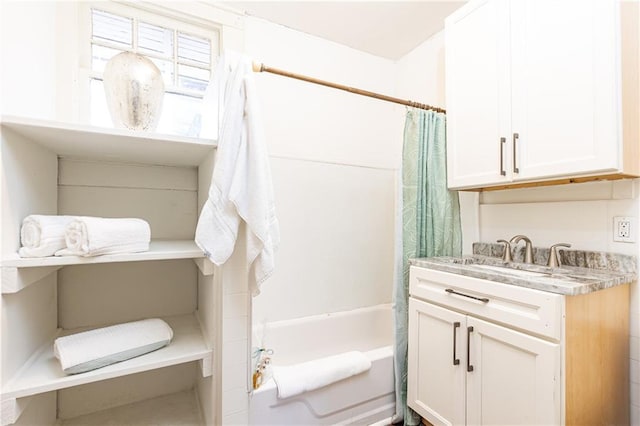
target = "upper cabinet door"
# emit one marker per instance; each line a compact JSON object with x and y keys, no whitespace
{"x":534,"y":92}
{"x":477,"y":91}
{"x":565,"y":102}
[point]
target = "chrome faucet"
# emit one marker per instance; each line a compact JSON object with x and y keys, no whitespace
{"x":506,"y":256}
{"x":528,"y":251}
{"x":554,"y":257}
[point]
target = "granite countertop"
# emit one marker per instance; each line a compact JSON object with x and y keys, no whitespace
{"x":597,"y":270}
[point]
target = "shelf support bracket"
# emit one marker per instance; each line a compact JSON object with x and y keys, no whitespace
{"x":206,"y":365}
{"x":205,"y":266}
{"x":12,"y":408}
{"x":15,"y":279}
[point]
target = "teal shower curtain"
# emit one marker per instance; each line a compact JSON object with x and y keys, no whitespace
{"x":429,"y":225}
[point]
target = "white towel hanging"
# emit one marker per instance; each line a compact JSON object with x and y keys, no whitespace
{"x":241,"y":188}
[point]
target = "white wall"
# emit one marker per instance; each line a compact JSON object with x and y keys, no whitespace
{"x":333,"y":156}
{"x":420,"y":78}
{"x":580,"y":214}
{"x":312,"y":122}
{"x":27,"y":58}
{"x":420,"y":75}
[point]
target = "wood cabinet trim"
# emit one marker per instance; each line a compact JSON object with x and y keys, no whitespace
{"x":597,"y":357}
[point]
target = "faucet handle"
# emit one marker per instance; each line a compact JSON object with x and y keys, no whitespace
{"x":554,"y":258}
{"x":506,"y":257}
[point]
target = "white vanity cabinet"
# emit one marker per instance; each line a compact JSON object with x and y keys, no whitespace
{"x":55,"y":168}
{"x":541,"y":91}
{"x":488,"y":353}
{"x":495,"y":376}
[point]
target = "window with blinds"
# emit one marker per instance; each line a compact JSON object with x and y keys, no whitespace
{"x":184,"y":58}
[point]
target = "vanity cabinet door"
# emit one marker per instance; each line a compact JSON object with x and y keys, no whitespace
{"x":515,"y":378}
{"x":436,"y":357}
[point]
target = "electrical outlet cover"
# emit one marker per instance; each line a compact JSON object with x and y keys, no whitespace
{"x":624,"y":229}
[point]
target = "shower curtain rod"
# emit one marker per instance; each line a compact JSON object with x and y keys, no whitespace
{"x":260,"y":67}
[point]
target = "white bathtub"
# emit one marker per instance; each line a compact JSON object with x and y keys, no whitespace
{"x":360,"y":400}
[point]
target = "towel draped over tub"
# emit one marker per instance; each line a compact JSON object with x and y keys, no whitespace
{"x":295,"y":379}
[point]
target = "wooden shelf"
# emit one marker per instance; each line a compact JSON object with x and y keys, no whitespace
{"x":76,"y":140}
{"x":180,"y":408}
{"x":42,"y":373}
{"x":158,"y":250}
{"x":19,"y":272}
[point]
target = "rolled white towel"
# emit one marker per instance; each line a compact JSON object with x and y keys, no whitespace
{"x":295,"y":379}
{"x":97,"y":348}
{"x":42,"y":235}
{"x":94,"y":236}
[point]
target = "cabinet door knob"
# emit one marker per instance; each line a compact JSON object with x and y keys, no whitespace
{"x":515,"y":143}
{"x":456,"y":361}
{"x":469,"y":366}
{"x":503,"y":172}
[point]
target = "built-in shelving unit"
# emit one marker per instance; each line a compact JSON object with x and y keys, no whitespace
{"x":43,"y":298}
{"x":43,"y":373}
{"x":158,"y":250}
{"x":18,"y":272}
{"x":178,"y":408}
{"x":76,"y":140}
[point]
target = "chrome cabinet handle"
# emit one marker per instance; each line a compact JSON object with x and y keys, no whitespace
{"x":452,"y":291}
{"x":515,"y":143}
{"x":503,"y":172}
{"x":456,"y":361}
{"x":469,"y":366}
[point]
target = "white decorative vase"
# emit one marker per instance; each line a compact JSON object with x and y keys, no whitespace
{"x":134,"y":90}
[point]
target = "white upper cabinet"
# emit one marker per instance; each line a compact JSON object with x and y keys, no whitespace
{"x":534,"y":92}
{"x":477,"y":84}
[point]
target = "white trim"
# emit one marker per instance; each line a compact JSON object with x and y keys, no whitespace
{"x":192,"y":12}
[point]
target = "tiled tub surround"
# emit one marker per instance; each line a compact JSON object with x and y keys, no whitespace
{"x":581,"y":272}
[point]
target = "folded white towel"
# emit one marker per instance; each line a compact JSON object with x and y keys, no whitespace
{"x":97,"y":348}
{"x":42,"y":235}
{"x":298,"y":378}
{"x":93,"y":236}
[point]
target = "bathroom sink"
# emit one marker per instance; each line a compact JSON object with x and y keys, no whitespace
{"x":512,"y":271}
